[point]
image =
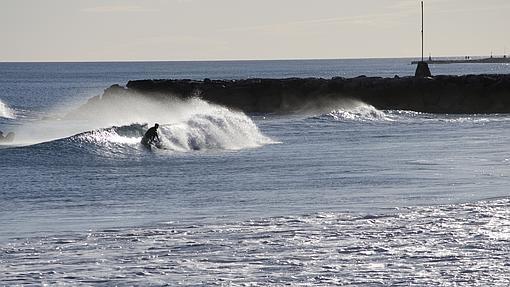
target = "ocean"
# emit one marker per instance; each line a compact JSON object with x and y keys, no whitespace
{"x":346,"y":195}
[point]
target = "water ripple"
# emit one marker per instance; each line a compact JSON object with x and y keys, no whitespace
{"x":449,"y":245}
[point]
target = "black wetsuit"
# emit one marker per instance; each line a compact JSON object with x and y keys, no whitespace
{"x":150,"y":135}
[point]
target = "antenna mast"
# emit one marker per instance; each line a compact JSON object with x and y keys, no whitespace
{"x":422,"y":31}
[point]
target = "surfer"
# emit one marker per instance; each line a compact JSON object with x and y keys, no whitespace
{"x":150,"y":135}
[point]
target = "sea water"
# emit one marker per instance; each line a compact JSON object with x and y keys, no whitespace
{"x":344,"y":195}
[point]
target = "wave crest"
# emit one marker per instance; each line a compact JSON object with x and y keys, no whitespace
{"x":354,"y":110}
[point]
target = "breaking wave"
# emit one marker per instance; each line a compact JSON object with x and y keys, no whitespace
{"x":357,"y":111}
{"x":362,"y":112}
{"x":6,"y":112}
{"x":116,"y":124}
{"x":223,"y":130}
{"x":354,"y":110}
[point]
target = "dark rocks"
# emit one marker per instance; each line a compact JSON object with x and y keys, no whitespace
{"x":440,"y":94}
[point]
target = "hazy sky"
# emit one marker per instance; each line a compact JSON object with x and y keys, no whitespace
{"x":85,"y":30}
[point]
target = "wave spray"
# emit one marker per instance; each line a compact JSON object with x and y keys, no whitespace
{"x":121,"y":120}
{"x":5,"y":111}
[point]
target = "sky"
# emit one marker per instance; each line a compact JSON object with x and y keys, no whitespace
{"x":169,"y":30}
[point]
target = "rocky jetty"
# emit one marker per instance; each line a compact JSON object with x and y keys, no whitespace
{"x":438,"y":94}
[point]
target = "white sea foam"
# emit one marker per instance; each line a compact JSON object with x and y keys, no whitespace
{"x":343,"y":109}
{"x":5,"y":111}
{"x":358,"y":111}
{"x":218,"y":129}
{"x":351,"y":110}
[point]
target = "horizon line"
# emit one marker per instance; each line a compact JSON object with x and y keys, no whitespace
{"x":227,"y":60}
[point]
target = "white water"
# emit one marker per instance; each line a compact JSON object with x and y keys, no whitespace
{"x":5,"y":111}
{"x":221,"y":129}
{"x":358,"y":111}
{"x":185,"y":125}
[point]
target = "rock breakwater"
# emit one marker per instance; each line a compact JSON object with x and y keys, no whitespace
{"x":440,"y":94}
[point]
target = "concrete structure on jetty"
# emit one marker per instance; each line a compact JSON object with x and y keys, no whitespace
{"x":422,"y":70}
{"x":439,"y":94}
